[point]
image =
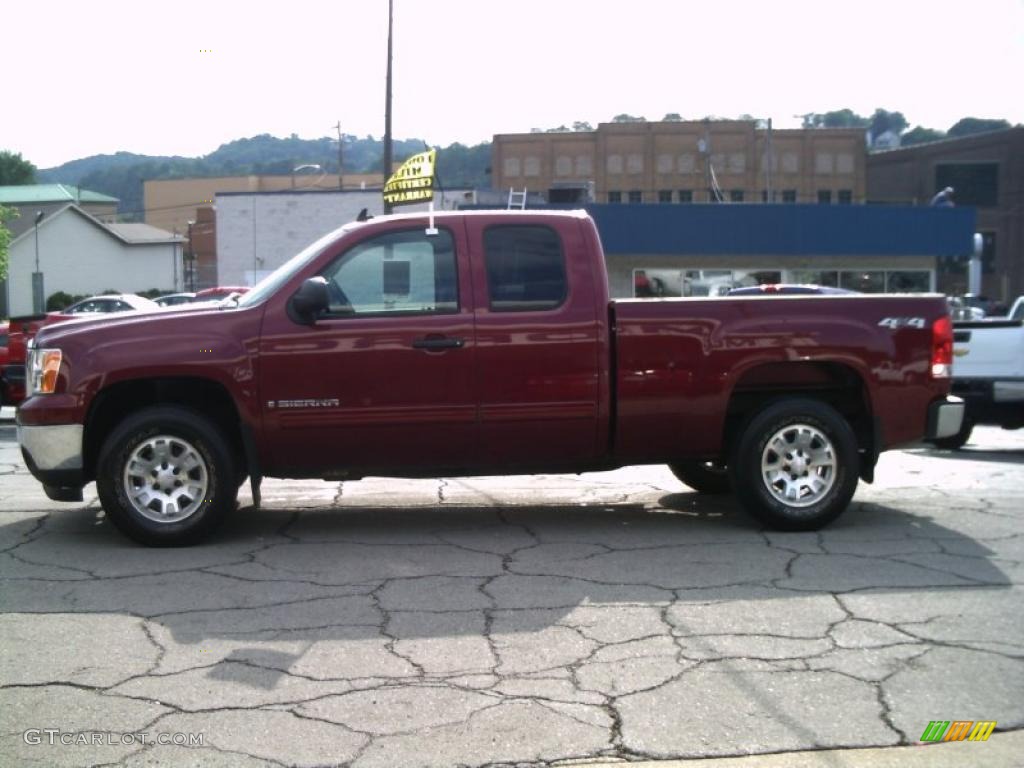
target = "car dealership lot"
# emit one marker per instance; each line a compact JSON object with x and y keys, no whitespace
{"x":478,"y":621}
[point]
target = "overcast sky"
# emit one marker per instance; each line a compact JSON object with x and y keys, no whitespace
{"x":84,"y":78}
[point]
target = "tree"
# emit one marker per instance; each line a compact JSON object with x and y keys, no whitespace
{"x":14,"y":170}
{"x":560,"y":129}
{"x":6,"y":214}
{"x":970,"y":125}
{"x":624,"y":118}
{"x":919,"y":135}
{"x":840,"y":118}
{"x":582,"y":125}
{"x":672,"y":117}
{"x":884,"y":121}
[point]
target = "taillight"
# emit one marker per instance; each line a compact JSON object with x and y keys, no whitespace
{"x":942,"y":348}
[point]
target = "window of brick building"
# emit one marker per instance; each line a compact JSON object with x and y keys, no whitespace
{"x":825,"y":196}
{"x":685,"y":195}
{"x":664,"y":195}
{"x":845,"y":196}
{"x":736,"y":195}
{"x":615,"y":196}
{"x":789,"y":195}
{"x":635,"y":196}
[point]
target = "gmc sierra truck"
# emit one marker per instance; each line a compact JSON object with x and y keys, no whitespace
{"x":479,"y":343}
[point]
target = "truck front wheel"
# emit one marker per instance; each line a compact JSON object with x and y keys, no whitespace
{"x":166,"y":477}
{"x":795,"y":465}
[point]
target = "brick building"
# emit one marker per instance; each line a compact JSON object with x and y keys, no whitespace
{"x":987,"y":172}
{"x":686,"y":162}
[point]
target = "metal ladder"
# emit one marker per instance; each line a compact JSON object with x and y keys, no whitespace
{"x":516,"y":199}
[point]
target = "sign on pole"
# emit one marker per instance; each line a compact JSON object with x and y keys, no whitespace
{"x":413,"y":182}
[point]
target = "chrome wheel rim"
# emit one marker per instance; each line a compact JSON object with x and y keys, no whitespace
{"x":798,"y":465}
{"x":166,"y":479}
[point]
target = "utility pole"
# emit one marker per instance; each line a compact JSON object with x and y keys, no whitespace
{"x":387,"y":107}
{"x":768,"y":165}
{"x":340,"y":167}
{"x":191,"y":260}
{"x":38,"y":294}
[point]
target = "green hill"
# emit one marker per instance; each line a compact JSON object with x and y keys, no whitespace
{"x":123,"y":173}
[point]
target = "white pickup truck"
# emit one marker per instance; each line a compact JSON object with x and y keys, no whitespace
{"x":988,"y":373}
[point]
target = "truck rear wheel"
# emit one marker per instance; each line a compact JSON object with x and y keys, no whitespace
{"x":795,"y":465}
{"x":703,"y":476}
{"x":166,"y":477}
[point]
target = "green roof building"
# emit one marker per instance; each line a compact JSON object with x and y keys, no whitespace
{"x":29,"y":199}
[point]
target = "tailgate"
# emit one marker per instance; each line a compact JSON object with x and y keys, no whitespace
{"x":988,"y":349}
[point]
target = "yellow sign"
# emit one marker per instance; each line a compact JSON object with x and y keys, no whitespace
{"x":413,"y":182}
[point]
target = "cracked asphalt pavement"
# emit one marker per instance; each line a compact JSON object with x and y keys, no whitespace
{"x":523,"y":620}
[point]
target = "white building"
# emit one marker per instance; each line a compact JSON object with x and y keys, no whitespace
{"x":79,"y":254}
{"x":259,"y":231}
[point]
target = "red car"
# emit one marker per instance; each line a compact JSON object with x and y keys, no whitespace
{"x":484,"y":344}
{"x":12,"y":357}
{"x":5,"y":357}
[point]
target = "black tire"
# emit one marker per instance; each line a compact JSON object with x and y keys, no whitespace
{"x":957,"y":441}
{"x":703,"y":476}
{"x":816,"y":459}
{"x":195,"y":452}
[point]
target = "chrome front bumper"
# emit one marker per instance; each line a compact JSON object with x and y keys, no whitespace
{"x":53,"y":448}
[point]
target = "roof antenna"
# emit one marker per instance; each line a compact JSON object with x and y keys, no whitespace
{"x":364,"y":215}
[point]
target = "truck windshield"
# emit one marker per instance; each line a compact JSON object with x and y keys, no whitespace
{"x":269,"y":284}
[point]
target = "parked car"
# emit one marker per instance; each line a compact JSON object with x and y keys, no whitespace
{"x":12,"y":370}
{"x":174,"y":299}
{"x":220,"y":292}
{"x":988,"y":373}
{"x":120,"y":302}
{"x":5,"y":357}
{"x":787,"y":289}
{"x":486,"y":344}
{"x":962,"y":312}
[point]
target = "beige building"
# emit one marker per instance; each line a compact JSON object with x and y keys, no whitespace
{"x":171,"y":203}
{"x":683,"y":162}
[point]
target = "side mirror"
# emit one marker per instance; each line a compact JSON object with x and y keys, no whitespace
{"x":309,"y":301}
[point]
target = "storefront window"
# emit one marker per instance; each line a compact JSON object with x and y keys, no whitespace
{"x":826,"y":277}
{"x":866,"y":281}
{"x":742,"y":278}
{"x":707,"y":282}
{"x":657,"y":283}
{"x":908,"y":281}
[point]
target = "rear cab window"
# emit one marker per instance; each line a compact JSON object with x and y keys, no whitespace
{"x":525,"y":267}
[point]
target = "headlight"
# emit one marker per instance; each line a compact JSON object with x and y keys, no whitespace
{"x":43,"y":367}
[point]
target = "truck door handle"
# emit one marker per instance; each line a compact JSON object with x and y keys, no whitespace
{"x":438,"y":342}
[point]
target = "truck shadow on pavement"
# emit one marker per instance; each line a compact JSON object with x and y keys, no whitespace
{"x":414,"y":635}
{"x":359,"y":593}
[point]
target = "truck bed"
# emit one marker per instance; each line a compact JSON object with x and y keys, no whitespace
{"x":679,"y":361}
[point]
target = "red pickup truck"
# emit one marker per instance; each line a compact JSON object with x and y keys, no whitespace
{"x":486,"y":344}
